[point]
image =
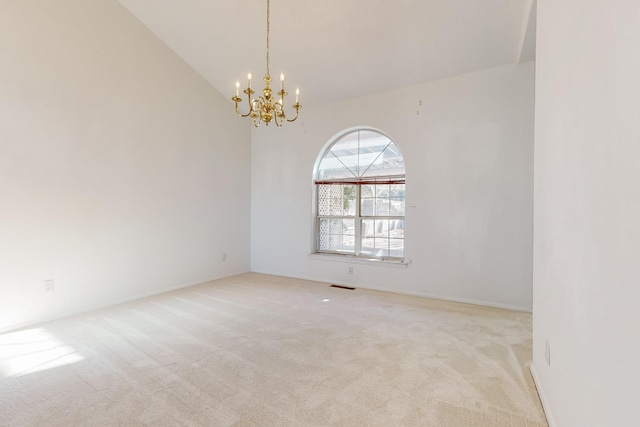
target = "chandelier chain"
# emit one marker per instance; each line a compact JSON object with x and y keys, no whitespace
{"x":268,"y":16}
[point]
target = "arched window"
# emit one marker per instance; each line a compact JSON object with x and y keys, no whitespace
{"x":360,"y":189}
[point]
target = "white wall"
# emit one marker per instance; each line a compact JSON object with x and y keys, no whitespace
{"x":122,"y":172}
{"x":587,"y":212}
{"x":469,"y":163}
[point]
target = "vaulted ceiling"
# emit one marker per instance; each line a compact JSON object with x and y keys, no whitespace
{"x":338,"y":49}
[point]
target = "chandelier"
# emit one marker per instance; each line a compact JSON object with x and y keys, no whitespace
{"x":266,"y":108}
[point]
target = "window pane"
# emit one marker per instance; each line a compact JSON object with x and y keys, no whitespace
{"x":335,"y":242}
{"x":333,"y":167}
{"x":366,"y":207}
{"x":367,"y":191}
{"x":390,"y":162}
{"x":336,"y":235}
{"x":349,"y":227}
{"x":372,"y":145}
{"x":335,"y":226}
{"x":382,"y":207}
{"x":323,"y":226}
{"x":324,"y":243}
{"x":368,"y":228}
{"x":396,"y":248}
{"x":367,"y":248}
{"x":323,"y":207}
{"x":382,"y":228}
{"x":348,"y":244}
{"x":396,"y":207}
{"x":396,"y":190}
{"x":396,"y":228}
{"x":349,"y":201}
{"x":337,"y":199}
{"x":382,"y":247}
{"x":382,"y":190}
{"x":323,"y":200}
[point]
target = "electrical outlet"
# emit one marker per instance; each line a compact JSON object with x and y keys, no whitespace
{"x":48,"y":285}
{"x":547,"y":352}
{"x":224,"y":256}
{"x":350,"y":269}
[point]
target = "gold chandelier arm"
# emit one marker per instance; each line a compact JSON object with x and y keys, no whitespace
{"x":248,"y":91}
{"x":297,"y":106}
{"x":238,"y":100}
{"x":242,"y":115}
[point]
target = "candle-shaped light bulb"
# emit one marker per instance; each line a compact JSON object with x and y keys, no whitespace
{"x":237,"y":87}
{"x":297,"y":94}
{"x":249,"y":77}
{"x":281,"y":77}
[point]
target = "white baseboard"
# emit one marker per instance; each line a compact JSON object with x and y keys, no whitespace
{"x":401,"y":291}
{"x":543,"y":397}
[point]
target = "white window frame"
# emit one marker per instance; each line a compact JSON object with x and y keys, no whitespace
{"x":358,"y":218}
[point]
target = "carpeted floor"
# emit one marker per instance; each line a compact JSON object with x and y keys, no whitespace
{"x":257,"y":350}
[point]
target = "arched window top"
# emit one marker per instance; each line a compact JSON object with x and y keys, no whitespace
{"x":360,"y":154}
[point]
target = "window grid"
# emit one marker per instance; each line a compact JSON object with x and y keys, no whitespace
{"x":343,"y":226}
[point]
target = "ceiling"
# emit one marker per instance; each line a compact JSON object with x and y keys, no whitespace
{"x":339,"y":49}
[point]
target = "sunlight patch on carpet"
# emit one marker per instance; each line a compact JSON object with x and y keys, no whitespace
{"x":33,"y":350}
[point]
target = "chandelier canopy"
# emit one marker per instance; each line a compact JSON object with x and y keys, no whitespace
{"x":266,"y":108}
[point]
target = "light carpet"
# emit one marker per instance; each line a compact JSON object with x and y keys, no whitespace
{"x":258,"y":350}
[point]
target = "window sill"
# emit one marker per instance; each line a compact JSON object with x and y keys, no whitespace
{"x":351,"y":259}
